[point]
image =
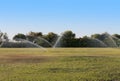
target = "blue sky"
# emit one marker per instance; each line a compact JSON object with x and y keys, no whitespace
{"x":83,"y":17}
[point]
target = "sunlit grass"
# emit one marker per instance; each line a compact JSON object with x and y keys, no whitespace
{"x":60,"y":64}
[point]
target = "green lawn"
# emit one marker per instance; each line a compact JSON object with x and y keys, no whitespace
{"x":60,"y":64}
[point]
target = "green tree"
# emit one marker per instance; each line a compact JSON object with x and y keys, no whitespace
{"x":68,"y":39}
{"x":35,"y":34}
{"x":19,"y":36}
{"x":97,"y":36}
{"x":83,"y":41}
{"x":51,"y":37}
{"x":32,"y":36}
{"x":117,"y":35}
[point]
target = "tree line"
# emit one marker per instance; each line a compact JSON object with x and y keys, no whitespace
{"x":69,"y":39}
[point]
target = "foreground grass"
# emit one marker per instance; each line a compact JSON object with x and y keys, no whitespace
{"x":61,"y":64}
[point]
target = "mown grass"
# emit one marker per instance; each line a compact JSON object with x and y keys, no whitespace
{"x":60,"y":64}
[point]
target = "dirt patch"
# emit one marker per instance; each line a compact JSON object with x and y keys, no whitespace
{"x":24,"y":58}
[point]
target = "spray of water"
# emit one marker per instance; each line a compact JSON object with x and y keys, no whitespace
{"x":110,"y":40}
{"x":101,"y":42}
{"x":33,"y":44}
{"x":107,"y":41}
{"x":118,"y":40}
{"x":58,"y":41}
{"x":1,"y":44}
{"x":45,"y":41}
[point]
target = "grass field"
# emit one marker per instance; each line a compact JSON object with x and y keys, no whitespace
{"x":60,"y":64}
